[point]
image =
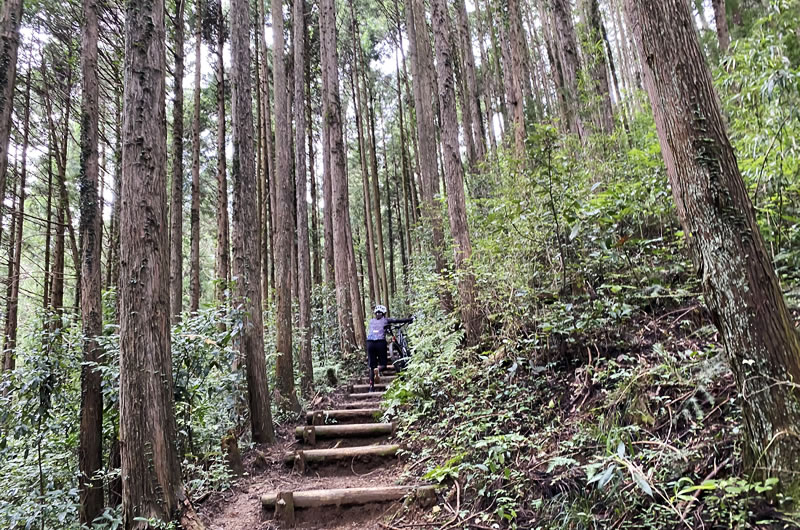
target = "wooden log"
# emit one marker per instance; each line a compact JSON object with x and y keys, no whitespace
{"x":308,"y":434}
{"x":319,"y":417}
{"x":284,"y":507}
{"x":345,"y":496}
{"x":384,"y":379}
{"x":366,"y":395}
{"x":365,"y":388}
{"x":230,"y":448}
{"x":315,"y":418}
{"x":341,"y":453}
{"x":361,"y":404}
{"x":312,"y":432}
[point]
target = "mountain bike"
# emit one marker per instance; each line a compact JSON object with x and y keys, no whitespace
{"x":399,"y":351}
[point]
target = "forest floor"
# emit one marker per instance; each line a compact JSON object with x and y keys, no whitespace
{"x":240,"y":508}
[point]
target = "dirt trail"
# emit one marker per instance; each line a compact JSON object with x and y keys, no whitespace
{"x":240,"y":508}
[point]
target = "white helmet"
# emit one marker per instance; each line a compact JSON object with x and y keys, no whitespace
{"x":380,"y":309}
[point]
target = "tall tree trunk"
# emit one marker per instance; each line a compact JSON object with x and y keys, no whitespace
{"x":316,"y":260}
{"x":376,"y":194}
{"x":569,"y":59}
{"x":176,"y":207}
{"x":739,"y":282}
{"x":721,"y":21}
{"x":515,"y":96}
{"x":151,"y":478}
{"x":392,"y":280}
{"x":338,"y":179}
{"x":454,"y":172}
{"x":356,"y":300}
{"x":422,"y":71}
{"x":48,"y":231}
{"x":194,"y":212}
{"x":246,"y":252}
{"x":406,"y":176}
{"x":612,"y":66}
{"x":267,"y":167}
{"x":595,"y":56}
{"x":268,"y":212}
{"x":117,"y":205}
{"x":327,"y":183}
{"x":471,"y":80}
{"x":61,"y":150}
{"x":496,"y":57}
{"x":303,"y":252}
{"x":223,"y":260}
{"x":284,"y":364}
{"x":358,"y":110}
{"x":10,"y":20}
{"x":90,"y":450}
{"x":10,"y":324}
{"x":15,"y":241}
{"x":487,"y":79}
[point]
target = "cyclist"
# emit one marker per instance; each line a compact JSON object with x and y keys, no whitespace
{"x":376,"y":342}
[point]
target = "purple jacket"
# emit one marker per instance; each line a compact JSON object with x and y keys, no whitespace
{"x":376,"y":330}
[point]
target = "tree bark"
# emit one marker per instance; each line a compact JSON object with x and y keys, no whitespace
{"x":569,"y":59}
{"x":454,"y":173}
{"x":316,"y":259}
{"x":176,"y":207}
{"x":246,"y":252}
{"x":90,"y":450}
{"x":595,"y":56}
{"x":358,"y":110}
{"x":422,"y":67}
{"x":376,"y":194}
{"x":303,"y":252}
{"x":267,"y":180}
{"x":721,"y":21}
{"x":151,"y":479}
{"x":223,"y":259}
{"x":740,"y":286}
{"x":61,"y":150}
{"x":515,"y":96}
{"x":48,"y":231}
{"x":194,"y":212}
{"x":343,"y":265}
{"x":15,"y":241}
{"x":471,"y":80}
{"x":284,"y":364}
{"x":10,"y":20}
{"x":327,"y":185}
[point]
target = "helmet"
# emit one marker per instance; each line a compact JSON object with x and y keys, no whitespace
{"x":380,"y":309}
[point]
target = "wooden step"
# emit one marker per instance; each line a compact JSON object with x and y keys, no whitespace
{"x":345,"y":496}
{"x":365,"y":388}
{"x":311,"y":432}
{"x":366,"y":396}
{"x":383,"y":379}
{"x":322,"y":416}
{"x":361,"y":404}
{"x":301,"y":458}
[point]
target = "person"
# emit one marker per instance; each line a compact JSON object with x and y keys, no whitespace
{"x":376,"y":342}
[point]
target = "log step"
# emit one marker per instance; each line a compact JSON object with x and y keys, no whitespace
{"x":343,"y":415}
{"x":384,"y":379}
{"x":343,"y":431}
{"x":338,"y":497}
{"x":365,"y":388}
{"x":366,"y":396}
{"x":361,"y":404}
{"x":341,"y":453}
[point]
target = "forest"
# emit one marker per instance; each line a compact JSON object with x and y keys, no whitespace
{"x":588,"y":209}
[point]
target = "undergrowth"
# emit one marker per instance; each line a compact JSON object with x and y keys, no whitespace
{"x":600,"y":396}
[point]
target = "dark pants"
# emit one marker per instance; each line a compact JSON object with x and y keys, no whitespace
{"x":376,"y":354}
